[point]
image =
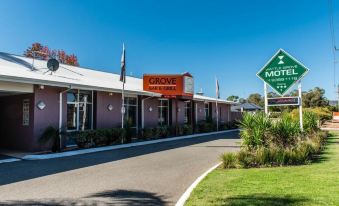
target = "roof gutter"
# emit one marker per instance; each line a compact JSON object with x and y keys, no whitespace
{"x":74,"y":86}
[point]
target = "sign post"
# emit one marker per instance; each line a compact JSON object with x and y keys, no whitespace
{"x":281,"y":72}
{"x":300,"y":106}
{"x":265,"y":94}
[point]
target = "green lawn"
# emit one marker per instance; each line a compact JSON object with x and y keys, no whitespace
{"x":315,"y":184}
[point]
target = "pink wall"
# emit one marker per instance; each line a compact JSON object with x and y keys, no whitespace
{"x":224,"y":112}
{"x":104,"y":117}
{"x":181,"y":114}
{"x":49,"y":116}
{"x":151,"y":117}
{"x":200,"y":106}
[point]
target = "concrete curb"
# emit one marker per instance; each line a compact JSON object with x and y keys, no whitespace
{"x":9,"y":160}
{"x":330,"y":129}
{"x":113,"y":147}
{"x":186,"y":195}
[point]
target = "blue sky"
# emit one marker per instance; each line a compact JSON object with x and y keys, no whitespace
{"x":228,"y":39}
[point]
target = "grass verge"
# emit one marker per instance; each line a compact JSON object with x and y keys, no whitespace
{"x":315,"y":184}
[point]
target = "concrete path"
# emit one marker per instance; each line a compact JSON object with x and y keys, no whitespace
{"x":154,"y":174}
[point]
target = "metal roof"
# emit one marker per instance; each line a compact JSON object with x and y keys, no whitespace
{"x":15,"y":68}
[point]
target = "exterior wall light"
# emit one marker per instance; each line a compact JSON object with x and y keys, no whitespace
{"x":179,"y":109}
{"x":150,"y":109}
{"x":42,"y":86}
{"x":41,"y":105}
{"x":110,"y":94}
{"x":110,"y":107}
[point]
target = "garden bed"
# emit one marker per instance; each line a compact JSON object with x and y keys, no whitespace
{"x":313,"y":184}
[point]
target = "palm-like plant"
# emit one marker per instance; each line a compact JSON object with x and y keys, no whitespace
{"x":51,"y":135}
{"x":285,"y":132}
{"x":255,"y":129}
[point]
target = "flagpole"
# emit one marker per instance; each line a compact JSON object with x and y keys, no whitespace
{"x":123,"y":80}
{"x":123,"y":104}
{"x":216,"y":101}
{"x":216,"y":104}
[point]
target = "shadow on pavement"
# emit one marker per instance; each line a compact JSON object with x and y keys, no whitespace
{"x":131,"y":197}
{"x":24,"y":170}
{"x":114,"y":197}
{"x":262,"y":199}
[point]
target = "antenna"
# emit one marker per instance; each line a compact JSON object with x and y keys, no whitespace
{"x":200,"y":92}
{"x":53,"y":65}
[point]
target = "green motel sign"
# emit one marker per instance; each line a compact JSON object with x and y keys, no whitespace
{"x":282,"y":71}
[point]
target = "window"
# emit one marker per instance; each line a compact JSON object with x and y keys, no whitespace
{"x":130,"y":116}
{"x":163,"y":112}
{"x":207,"y":111}
{"x":79,"y":110}
{"x":25,"y":112}
{"x":187,"y":109}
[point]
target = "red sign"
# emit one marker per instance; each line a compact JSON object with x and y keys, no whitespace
{"x":170,"y":86}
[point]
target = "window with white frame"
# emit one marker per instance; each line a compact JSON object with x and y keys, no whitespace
{"x":79,"y":110}
{"x":187,"y":110}
{"x":163,"y":112}
{"x":131,"y":111}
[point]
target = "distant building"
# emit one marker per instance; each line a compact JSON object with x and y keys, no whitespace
{"x":246,"y":107}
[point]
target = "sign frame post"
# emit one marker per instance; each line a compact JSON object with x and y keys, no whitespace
{"x":300,"y":106}
{"x":266,"y":101}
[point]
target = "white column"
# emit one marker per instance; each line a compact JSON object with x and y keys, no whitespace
{"x":265,"y":94}
{"x":300,"y":106}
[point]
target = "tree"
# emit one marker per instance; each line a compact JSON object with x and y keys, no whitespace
{"x":314,"y":98}
{"x":256,"y":98}
{"x":39,"y":51}
{"x":242,"y":100}
{"x":233,"y":98}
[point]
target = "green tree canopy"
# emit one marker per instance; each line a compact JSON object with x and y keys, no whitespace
{"x":256,"y":98}
{"x":233,"y":98}
{"x":315,"y":98}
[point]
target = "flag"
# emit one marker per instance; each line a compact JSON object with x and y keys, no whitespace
{"x":123,"y":65}
{"x":217,"y":88}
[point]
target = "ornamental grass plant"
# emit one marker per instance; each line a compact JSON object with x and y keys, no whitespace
{"x":279,"y":142}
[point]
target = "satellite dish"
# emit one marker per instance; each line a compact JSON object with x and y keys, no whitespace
{"x":53,"y":65}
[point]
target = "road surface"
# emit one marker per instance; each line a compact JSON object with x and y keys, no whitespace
{"x":156,"y":174}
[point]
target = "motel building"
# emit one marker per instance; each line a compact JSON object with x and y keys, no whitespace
{"x":32,"y":97}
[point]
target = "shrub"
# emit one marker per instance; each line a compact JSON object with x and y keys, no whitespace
{"x":229,"y":160}
{"x":322,"y":113}
{"x":180,"y":130}
{"x":187,"y":129}
{"x":262,"y":156}
{"x":223,"y":126}
{"x":255,"y":128}
{"x":118,"y":134}
{"x":162,"y":131}
{"x":285,"y":132}
{"x":245,"y":159}
{"x":310,"y":122}
{"x":205,"y":126}
{"x":147,"y":133}
{"x":84,"y":139}
{"x":102,"y":137}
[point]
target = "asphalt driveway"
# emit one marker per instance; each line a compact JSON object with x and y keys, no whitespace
{"x":154,"y":174}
